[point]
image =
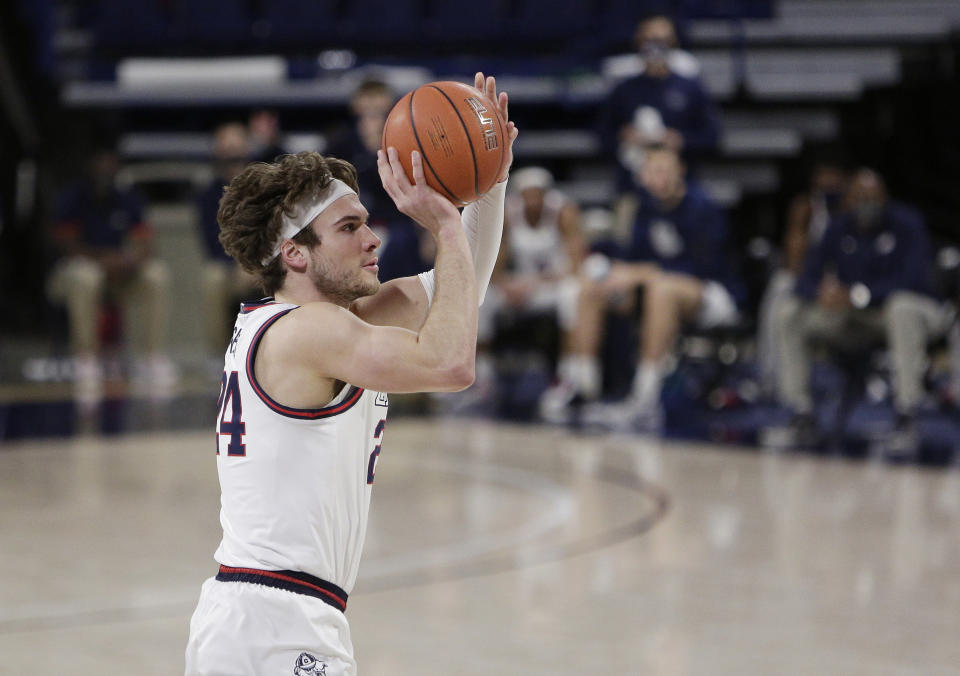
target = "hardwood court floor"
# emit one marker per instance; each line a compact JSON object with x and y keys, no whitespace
{"x":499,"y":549}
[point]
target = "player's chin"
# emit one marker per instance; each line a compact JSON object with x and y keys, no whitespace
{"x":370,"y":285}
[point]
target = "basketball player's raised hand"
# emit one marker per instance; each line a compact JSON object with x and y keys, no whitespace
{"x":417,"y":200}
{"x":488,"y":85}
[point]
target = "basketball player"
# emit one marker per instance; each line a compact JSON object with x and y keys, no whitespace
{"x":544,"y":247}
{"x":536,"y":274}
{"x":302,"y":403}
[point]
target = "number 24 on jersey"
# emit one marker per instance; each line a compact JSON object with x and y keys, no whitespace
{"x":235,"y":428}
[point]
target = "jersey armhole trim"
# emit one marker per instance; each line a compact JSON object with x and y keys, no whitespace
{"x":353,"y":395}
{"x":247,"y":308}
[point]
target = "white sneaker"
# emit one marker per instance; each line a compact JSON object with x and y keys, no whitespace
{"x":625,"y":416}
{"x":557,"y":403}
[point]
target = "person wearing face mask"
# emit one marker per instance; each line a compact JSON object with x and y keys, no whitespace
{"x":869,"y":277}
{"x":807,"y":219}
{"x":106,"y":248}
{"x":663,"y":105}
{"x":222,"y":281}
{"x":680,"y":258}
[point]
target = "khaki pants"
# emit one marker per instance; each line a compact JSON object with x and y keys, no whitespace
{"x":80,"y":284}
{"x":907,"y":321}
{"x":779,"y":292}
{"x":221,"y":283}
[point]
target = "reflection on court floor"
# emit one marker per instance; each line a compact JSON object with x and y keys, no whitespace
{"x":511,"y":550}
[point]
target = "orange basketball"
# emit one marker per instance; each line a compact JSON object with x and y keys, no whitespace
{"x":459,"y":134}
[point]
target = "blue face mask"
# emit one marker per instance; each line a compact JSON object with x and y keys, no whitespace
{"x":868,"y":214}
{"x":654,"y":50}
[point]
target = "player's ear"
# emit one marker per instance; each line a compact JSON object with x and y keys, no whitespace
{"x":294,"y":255}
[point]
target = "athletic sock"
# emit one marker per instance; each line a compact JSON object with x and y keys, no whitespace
{"x":581,"y":371}
{"x":646,"y":384}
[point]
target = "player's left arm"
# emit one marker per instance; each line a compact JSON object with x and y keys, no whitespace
{"x":405,"y":302}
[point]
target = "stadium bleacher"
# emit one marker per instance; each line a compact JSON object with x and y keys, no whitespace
{"x":786,"y":74}
{"x":768,"y":91}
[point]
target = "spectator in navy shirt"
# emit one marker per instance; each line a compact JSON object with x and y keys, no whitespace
{"x":680,"y":257}
{"x":808,"y":215}
{"x":869,"y":277}
{"x":106,"y":248}
{"x":222,"y":281}
{"x":659,"y":106}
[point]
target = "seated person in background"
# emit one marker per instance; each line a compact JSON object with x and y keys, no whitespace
{"x":534,"y":283}
{"x":404,"y":250}
{"x":537,"y":268}
{"x":869,"y":277}
{"x":658,"y":107}
{"x":808,"y":215}
{"x":106,"y":246}
{"x":222,"y":280}
{"x":679,"y":257}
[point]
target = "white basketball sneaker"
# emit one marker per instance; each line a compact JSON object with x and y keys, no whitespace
{"x":625,"y":416}
{"x":557,"y":403}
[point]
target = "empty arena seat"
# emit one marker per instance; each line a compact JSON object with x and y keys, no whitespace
{"x":124,"y":26}
{"x":467,"y":23}
{"x":729,"y":9}
{"x":202,"y":23}
{"x":544,"y":20}
{"x":295,"y":23}
{"x":390,"y":24}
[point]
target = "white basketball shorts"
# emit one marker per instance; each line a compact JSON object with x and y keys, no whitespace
{"x":241,"y":629}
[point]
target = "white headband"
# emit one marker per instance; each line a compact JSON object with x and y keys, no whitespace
{"x":307,"y":210}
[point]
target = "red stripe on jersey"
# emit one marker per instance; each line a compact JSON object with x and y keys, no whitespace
{"x":250,"y":307}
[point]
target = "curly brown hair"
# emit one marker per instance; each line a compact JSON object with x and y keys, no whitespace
{"x":253,"y":203}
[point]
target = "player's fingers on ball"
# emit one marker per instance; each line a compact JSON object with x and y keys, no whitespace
{"x":504,"y":102}
{"x":478,"y":81}
{"x":386,"y":176}
{"x":418,"y":178}
{"x":395,"y":165}
{"x":382,"y":164}
{"x":385,"y":167}
{"x":389,"y":185}
{"x":491,"y":90}
{"x":398,"y":179}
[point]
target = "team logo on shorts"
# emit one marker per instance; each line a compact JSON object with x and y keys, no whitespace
{"x":308,"y":665}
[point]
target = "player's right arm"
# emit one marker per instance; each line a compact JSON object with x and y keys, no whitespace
{"x":336,"y":344}
{"x":405,"y":301}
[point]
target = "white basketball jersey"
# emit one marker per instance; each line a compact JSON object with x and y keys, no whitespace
{"x":295,"y":483}
{"x":537,"y":248}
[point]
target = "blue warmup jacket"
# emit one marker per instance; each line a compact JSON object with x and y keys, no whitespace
{"x":104,"y":222}
{"x":894,"y":256}
{"x":691,"y":239}
{"x":683,"y":103}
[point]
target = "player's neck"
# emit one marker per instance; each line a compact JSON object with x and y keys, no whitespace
{"x":298,"y":290}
